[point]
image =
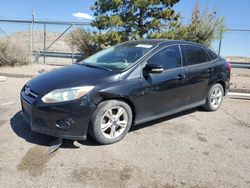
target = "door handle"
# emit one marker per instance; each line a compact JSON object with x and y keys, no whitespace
{"x":180,"y":77}
{"x":210,"y":70}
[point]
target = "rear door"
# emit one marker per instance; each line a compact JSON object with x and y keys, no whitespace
{"x":164,"y":92}
{"x":200,"y":71}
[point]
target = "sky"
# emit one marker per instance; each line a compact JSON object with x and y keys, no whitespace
{"x":236,"y":13}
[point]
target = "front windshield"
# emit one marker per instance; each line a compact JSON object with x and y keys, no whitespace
{"x":118,"y":57}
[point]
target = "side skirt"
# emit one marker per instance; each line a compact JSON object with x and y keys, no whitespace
{"x":187,"y":107}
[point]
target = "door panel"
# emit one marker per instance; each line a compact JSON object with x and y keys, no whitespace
{"x":164,"y":92}
{"x":200,"y":71}
{"x":198,"y":77}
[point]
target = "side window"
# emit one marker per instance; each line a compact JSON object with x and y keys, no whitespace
{"x":194,"y":55}
{"x":212,"y":55}
{"x":169,"y":57}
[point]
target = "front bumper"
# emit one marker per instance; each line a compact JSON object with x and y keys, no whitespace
{"x":46,"y":118}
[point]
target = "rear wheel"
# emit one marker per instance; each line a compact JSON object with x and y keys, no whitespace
{"x":214,"y":98}
{"x":110,"y":122}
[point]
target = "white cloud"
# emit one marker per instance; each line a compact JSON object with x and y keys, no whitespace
{"x":82,"y":15}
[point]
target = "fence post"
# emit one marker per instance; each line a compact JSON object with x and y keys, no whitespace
{"x":44,"y":43}
{"x":220,"y":43}
{"x":32,"y":36}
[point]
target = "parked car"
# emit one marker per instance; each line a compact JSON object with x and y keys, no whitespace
{"x":127,"y":84}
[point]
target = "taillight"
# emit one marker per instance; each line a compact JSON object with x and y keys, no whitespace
{"x":228,"y":66}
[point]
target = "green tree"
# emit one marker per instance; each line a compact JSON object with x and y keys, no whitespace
{"x":122,"y":20}
{"x":131,"y":19}
{"x":205,"y":26}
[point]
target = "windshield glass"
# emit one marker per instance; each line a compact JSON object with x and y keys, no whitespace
{"x":118,"y":57}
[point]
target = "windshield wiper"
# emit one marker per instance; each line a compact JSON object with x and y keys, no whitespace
{"x":94,"y":66}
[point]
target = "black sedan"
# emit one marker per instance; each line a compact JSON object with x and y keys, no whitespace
{"x":124,"y":85}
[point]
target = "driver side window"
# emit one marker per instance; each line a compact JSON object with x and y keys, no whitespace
{"x":169,"y":57}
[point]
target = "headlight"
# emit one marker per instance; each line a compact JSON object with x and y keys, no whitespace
{"x":67,"y":94}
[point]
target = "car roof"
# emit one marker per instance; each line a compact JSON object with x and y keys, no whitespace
{"x":163,"y":42}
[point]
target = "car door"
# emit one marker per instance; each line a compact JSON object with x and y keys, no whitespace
{"x":200,"y":72}
{"x":165,"y":92}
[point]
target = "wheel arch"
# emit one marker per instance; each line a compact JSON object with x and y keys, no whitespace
{"x":123,"y":99}
{"x":223,"y":83}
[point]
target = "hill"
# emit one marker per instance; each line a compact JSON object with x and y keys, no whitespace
{"x":238,"y":59}
{"x":23,"y":39}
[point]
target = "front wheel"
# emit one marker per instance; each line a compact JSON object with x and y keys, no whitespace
{"x":110,"y":122}
{"x":214,"y":98}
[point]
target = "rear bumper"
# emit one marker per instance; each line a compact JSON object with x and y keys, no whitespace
{"x":47,"y":119}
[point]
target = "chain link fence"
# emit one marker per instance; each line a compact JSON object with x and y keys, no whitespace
{"x":235,"y":45}
{"x":42,"y":41}
{"x":46,"y":41}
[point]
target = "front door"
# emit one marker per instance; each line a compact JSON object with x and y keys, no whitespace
{"x":165,"y":92}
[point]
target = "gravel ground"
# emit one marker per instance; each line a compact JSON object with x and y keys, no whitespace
{"x":195,"y":149}
{"x":240,"y":80}
{"x":29,"y":70}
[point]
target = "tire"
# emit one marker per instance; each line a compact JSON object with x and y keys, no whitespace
{"x":214,"y":98}
{"x":107,"y":127}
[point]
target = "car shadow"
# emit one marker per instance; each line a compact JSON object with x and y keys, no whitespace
{"x":22,"y":129}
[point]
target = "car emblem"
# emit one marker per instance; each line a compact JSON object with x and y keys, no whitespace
{"x":27,"y":90}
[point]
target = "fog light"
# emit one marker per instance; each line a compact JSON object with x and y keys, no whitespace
{"x":63,"y":124}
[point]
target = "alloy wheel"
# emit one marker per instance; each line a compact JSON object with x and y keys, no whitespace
{"x":114,"y":122}
{"x":216,"y":97}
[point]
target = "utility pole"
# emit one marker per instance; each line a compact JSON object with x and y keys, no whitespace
{"x":44,"y":43}
{"x":221,"y":35}
{"x":32,"y":35}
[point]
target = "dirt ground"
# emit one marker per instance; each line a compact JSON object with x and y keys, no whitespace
{"x":27,"y":71}
{"x":193,"y":149}
{"x":240,"y":80}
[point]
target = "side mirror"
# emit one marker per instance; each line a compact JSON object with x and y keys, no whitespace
{"x":154,"y":68}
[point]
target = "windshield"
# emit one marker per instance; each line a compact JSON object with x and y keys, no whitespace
{"x":118,"y":57}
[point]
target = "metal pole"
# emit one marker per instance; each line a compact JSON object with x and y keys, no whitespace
{"x":220,"y":44}
{"x":99,"y":45}
{"x":32,"y":36}
{"x":72,"y":56}
{"x":1,"y":29}
{"x":46,"y":22}
{"x":59,"y":37}
{"x":44,"y":43}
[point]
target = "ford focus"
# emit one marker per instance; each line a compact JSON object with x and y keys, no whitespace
{"x":127,"y":84}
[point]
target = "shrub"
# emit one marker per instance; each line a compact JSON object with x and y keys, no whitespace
{"x":11,"y":54}
{"x":84,"y":41}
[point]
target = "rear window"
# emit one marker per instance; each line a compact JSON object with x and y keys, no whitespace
{"x":194,"y":55}
{"x":212,"y":55}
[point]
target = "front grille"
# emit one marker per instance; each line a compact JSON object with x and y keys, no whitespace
{"x":36,"y":118}
{"x":38,"y":121}
{"x":27,"y":116}
{"x":33,"y":118}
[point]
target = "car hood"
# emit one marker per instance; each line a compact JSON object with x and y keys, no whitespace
{"x":70,"y":76}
